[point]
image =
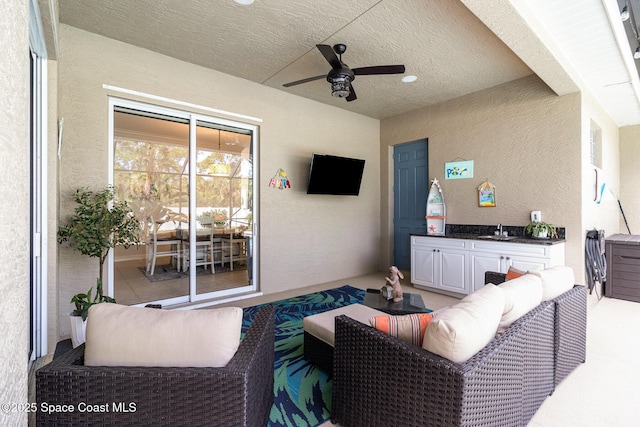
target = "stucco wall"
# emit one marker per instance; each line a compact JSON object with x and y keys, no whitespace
{"x":630,"y":177}
{"x":304,"y":239}
{"x":522,"y":137}
{"x":14,"y":205}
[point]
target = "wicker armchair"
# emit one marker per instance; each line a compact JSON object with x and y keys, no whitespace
{"x":570,"y":327}
{"x":240,"y":394}
{"x":382,"y":381}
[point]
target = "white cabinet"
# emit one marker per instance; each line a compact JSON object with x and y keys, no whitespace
{"x":499,"y":256}
{"x":457,"y":266}
{"x":440,"y":264}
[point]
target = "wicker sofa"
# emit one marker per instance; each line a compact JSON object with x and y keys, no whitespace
{"x":380,"y":380}
{"x":239,"y":394}
{"x":570,"y":327}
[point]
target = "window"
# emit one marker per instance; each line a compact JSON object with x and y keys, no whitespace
{"x":38,"y":188}
{"x":595,"y":145}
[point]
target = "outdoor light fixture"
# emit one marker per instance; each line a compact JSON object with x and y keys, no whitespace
{"x":340,"y":88}
{"x":624,"y":13}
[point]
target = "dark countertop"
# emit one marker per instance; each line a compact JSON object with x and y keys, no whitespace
{"x":473,"y":232}
{"x":518,"y":239}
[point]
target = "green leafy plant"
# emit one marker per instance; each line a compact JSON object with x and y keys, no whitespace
{"x":96,"y":226}
{"x":536,"y":228}
{"x":84,"y":301}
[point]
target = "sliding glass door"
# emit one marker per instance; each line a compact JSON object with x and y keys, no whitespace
{"x":197,"y":222}
{"x":223,"y":188}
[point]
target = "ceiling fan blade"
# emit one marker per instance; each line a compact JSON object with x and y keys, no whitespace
{"x":380,"y":69}
{"x":309,"y":79}
{"x":352,"y":94}
{"x":329,"y":55}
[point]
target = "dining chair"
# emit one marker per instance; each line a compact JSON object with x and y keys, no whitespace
{"x":204,"y":252}
{"x":234,"y":249}
{"x":159,"y":247}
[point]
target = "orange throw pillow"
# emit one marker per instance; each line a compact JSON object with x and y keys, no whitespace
{"x":409,"y":328}
{"x":514,"y":273}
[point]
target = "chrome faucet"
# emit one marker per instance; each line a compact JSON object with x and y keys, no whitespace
{"x":499,"y":229}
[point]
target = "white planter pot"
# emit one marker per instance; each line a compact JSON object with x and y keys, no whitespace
{"x":542,"y":234}
{"x":78,"y":329}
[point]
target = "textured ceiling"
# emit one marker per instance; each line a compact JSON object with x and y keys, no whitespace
{"x":453,"y":47}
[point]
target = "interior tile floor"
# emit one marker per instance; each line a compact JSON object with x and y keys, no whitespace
{"x":132,"y":286}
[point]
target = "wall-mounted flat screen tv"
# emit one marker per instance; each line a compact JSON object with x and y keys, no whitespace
{"x":335,"y":175}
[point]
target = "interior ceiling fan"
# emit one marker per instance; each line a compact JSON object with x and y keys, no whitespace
{"x":341,"y":75}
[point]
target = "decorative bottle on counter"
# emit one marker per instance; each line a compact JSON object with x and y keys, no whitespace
{"x":436,"y":210}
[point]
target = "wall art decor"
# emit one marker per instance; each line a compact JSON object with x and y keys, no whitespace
{"x":280,"y":180}
{"x":487,"y":195}
{"x":458,"y":169}
{"x":436,"y":210}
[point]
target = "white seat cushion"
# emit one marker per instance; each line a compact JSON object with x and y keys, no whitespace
{"x":465,"y":328}
{"x":119,"y":335}
{"x":555,"y":281}
{"x":322,"y":325}
{"x":521,"y":296}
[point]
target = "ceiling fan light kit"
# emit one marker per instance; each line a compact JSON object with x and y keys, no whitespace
{"x":340,"y":89}
{"x":340,"y":76}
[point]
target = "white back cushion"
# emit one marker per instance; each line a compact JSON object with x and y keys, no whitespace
{"x":555,"y":281}
{"x":521,"y":295}
{"x":465,"y":328}
{"x":119,"y":335}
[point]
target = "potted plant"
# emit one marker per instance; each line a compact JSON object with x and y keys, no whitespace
{"x":96,"y":226}
{"x":540,"y":230}
{"x":217,"y":217}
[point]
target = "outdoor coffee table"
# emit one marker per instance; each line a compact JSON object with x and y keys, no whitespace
{"x":319,"y":328}
{"x":319,"y":332}
{"x":412,"y":303}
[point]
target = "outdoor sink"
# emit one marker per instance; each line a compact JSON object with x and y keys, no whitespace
{"x":497,"y":237}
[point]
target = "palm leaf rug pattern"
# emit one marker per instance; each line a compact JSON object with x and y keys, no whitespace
{"x":302,"y":391}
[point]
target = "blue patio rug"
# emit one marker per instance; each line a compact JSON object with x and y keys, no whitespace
{"x":302,"y":391}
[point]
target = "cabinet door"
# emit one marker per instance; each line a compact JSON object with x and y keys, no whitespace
{"x":454,"y":271}
{"x":526,"y":263}
{"x":423,"y":265}
{"x":482,"y":262}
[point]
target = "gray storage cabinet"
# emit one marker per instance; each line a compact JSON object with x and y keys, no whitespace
{"x":623,"y":267}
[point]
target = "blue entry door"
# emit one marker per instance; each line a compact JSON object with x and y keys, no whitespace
{"x":410,"y":188}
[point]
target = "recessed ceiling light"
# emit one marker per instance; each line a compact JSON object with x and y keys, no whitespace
{"x":409,"y":79}
{"x":244,"y":2}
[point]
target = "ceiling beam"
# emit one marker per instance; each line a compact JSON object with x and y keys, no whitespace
{"x":519,"y":28}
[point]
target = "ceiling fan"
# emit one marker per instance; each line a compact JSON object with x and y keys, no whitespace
{"x":341,"y":75}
